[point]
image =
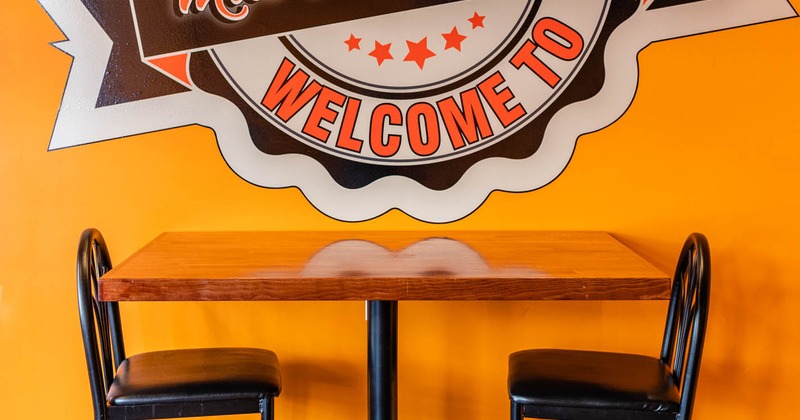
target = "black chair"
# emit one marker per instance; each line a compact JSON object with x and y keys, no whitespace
{"x":163,"y":384}
{"x":573,"y":384}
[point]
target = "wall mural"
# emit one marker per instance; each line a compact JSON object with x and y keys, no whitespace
{"x":423,"y":106}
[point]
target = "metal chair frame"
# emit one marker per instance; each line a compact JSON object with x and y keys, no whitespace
{"x":105,"y":350}
{"x":681,"y":349}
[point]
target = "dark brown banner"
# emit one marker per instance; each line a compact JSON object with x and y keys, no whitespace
{"x":168,"y":26}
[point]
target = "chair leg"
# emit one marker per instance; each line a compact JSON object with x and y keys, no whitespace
{"x":267,"y":408}
{"x":516,"y":411}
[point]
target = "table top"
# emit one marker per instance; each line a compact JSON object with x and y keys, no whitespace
{"x":352,"y":265}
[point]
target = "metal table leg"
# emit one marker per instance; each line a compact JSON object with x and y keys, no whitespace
{"x":382,"y":360}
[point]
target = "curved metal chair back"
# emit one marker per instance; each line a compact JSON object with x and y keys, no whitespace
{"x":687,"y":318}
{"x":100,"y":321}
{"x":593,"y":385}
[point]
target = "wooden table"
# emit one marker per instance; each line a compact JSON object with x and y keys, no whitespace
{"x":383,"y":268}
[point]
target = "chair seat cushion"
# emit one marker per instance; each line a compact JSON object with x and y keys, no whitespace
{"x":588,"y":379}
{"x":192,"y":375}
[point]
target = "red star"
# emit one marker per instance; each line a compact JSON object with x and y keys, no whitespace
{"x":418,"y":52}
{"x":476,"y":20}
{"x":381,"y":52}
{"x":453,"y":39}
{"x":353,"y":43}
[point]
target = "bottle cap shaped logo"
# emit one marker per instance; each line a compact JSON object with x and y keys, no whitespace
{"x":426,"y":107}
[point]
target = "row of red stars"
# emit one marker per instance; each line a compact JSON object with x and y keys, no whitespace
{"x":418,"y":52}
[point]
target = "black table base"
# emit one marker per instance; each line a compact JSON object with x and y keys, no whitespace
{"x":382,"y":360}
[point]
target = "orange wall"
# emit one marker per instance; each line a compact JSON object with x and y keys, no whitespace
{"x":711,"y":143}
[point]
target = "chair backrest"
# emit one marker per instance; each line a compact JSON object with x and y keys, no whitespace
{"x":100,"y":322}
{"x":687,"y":317}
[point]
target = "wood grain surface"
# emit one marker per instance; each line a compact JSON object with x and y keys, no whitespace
{"x":474,"y":265}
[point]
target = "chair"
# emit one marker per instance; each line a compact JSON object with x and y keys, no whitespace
{"x":572,"y":384}
{"x":163,"y":384}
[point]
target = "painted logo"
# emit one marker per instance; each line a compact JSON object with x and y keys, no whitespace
{"x":366,"y":106}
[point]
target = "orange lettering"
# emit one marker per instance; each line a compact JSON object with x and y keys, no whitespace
{"x":427,"y":113}
{"x":321,"y":112}
{"x":288,"y":92}
{"x":184,"y":5}
{"x":222,"y":11}
{"x":465,"y":124}
{"x":498,"y":101}
{"x":346,"y":139}
{"x":566,"y":34}
{"x":376,"y":139}
{"x":525,"y":56}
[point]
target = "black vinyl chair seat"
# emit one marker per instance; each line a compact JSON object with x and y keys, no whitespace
{"x":163,"y":384}
{"x":593,"y":385}
{"x":592,"y":380}
{"x":193,"y":375}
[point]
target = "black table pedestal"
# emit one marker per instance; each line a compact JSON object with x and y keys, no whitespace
{"x":382,"y":360}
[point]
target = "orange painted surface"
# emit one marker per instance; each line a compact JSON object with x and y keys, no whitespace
{"x":709,"y":144}
{"x":176,"y":65}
